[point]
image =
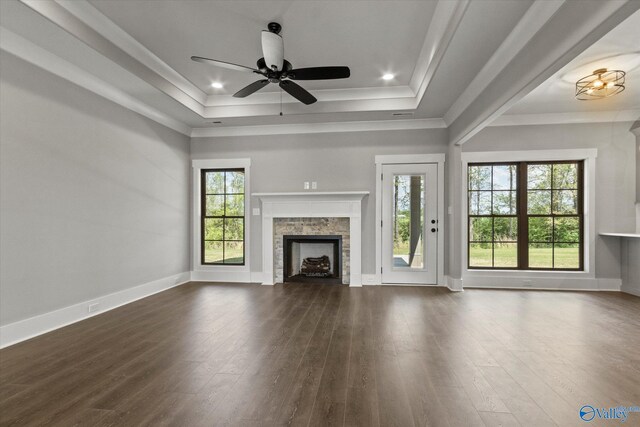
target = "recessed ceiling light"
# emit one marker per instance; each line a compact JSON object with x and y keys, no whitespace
{"x":216,"y":85}
{"x":388,"y":76}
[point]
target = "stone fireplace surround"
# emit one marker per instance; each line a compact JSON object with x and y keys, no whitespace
{"x":309,"y":227}
{"x":329,"y":206}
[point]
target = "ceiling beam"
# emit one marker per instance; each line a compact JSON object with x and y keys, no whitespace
{"x":567,"y":33}
{"x":444,"y":24}
{"x":531,"y":22}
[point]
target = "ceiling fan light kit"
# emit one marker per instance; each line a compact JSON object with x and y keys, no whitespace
{"x":278,"y":70}
{"x":602,"y":83}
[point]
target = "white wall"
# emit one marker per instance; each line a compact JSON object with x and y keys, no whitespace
{"x":615,"y":173}
{"x":94,"y":198}
{"x":337,"y":161}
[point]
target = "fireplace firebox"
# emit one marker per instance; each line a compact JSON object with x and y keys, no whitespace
{"x":312,"y":258}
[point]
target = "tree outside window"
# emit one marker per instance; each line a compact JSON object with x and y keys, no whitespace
{"x":525,"y":215}
{"x":222,"y":216}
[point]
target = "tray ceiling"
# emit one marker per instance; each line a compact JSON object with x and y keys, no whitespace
{"x":370,"y":38}
{"x":444,"y":55}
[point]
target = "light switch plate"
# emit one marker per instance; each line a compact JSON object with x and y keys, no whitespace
{"x":306,"y":185}
{"x":256,"y":211}
{"x":314,"y":185}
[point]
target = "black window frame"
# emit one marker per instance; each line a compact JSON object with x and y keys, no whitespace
{"x":523,"y":215}
{"x":204,"y":216}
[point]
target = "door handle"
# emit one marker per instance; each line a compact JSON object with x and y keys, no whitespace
{"x":433,"y":230}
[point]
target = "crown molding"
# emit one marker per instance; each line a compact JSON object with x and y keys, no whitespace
{"x":566,"y":118}
{"x":565,"y":35}
{"x":531,"y":22}
{"x":330,"y":127}
{"x":295,"y":107}
{"x":323,"y":95}
{"x":28,"y":51}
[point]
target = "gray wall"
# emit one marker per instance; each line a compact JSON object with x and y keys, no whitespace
{"x":631,"y":247}
{"x":635,"y":129}
{"x":615,"y":173}
{"x":631,"y":266}
{"x":337,"y":161}
{"x":94,"y":198}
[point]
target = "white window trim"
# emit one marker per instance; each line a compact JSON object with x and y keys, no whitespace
{"x":234,"y":273}
{"x":589,"y":156}
{"x":390,"y":159}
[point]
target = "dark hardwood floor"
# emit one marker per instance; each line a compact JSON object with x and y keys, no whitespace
{"x":322,"y":355}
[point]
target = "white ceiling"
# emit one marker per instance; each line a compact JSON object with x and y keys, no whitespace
{"x":617,"y":50}
{"x":435,"y":48}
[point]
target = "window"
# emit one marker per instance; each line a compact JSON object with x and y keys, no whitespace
{"x":525,"y":215}
{"x":222,"y":215}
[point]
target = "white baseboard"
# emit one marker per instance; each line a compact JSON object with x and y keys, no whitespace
{"x":609,"y":284}
{"x":228,"y":276}
{"x":370,"y":279}
{"x":539,"y":283}
{"x":632,"y":291}
{"x":222,"y":276}
{"x":257,"y":277}
{"x":454,"y":285}
{"x":16,"y":332}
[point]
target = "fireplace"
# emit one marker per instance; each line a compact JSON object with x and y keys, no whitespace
{"x":312,"y":258}
{"x":312,"y":213}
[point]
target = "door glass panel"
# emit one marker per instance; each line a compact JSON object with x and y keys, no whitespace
{"x":408,"y":221}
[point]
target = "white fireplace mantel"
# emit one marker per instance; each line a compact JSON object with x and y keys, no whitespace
{"x":313,"y":204}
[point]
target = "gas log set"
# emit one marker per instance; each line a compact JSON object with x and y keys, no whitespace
{"x":316,"y":267}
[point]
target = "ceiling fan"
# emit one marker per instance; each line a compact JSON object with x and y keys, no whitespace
{"x":276,"y":69}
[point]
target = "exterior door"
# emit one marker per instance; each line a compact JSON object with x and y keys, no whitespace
{"x":409,"y":223}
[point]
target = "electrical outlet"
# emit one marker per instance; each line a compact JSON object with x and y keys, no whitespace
{"x":256,"y":211}
{"x":314,"y":185}
{"x":92,"y":308}
{"x":306,"y":185}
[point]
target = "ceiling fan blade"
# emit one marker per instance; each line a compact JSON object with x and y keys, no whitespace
{"x":222,"y":64}
{"x":253,"y":87}
{"x":273,"y":49}
{"x":298,"y":92}
{"x":320,"y":73}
